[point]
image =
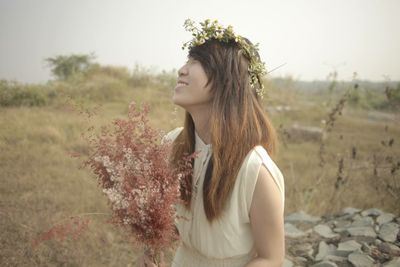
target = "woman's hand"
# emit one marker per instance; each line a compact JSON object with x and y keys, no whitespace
{"x":146,"y":260}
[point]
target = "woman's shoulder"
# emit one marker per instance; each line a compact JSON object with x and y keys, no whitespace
{"x":258,"y":157}
{"x":249,"y":174}
{"x":261,"y":155}
{"x":172,"y":135}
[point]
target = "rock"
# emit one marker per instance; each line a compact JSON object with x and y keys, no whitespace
{"x":384,"y":248}
{"x":299,"y":133}
{"x":325,"y":264}
{"x":341,"y":223}
{"x":287,"y":263}
{"x":389,"y":232}
{"x":340,"y":229}
{"x":367,"y":238}
{"x":292,"y":231}
{"x":394,"y":250}
{"x":324,"y":250}
{"x":393,"y":263}
{"x":301,"y":217}
{"x":362,"y":221}
{"x":347,"y":247}
{"x":325,"y":231}
{"x":377,"y":241}
{"x":388,"y":248}
{"x":350,"y":211}
{"x":335,"y":258}
{"x":304,"y":250}
{"x":279,"y":108}
{"x":378,"y":255}
{"x":361,"y":231}
{"x":371,"y":212}
{"x":385,"y":218}
{"x":377,"y":228}
{"x":366,"y":248}
{"x":301,"y":260}
{"x":360,"y":260}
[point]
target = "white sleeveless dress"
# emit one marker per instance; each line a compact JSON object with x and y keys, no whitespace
{"x":228,"y":241}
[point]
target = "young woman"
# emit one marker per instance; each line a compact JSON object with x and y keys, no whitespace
{"x":234,"y":199}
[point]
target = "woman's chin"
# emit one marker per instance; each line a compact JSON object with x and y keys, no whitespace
{"x":177,"y":101}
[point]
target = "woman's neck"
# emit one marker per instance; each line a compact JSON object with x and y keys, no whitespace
{"x":201,"y":119}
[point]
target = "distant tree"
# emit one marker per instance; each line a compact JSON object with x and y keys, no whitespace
{"x":393,"y":96}
{"x":64,"y":67}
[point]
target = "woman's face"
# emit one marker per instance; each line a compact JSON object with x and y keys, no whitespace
{"x":191,"y":90}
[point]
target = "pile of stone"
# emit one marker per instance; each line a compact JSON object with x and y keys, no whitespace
{"x":300,"y":133}
{"x":353,"y":237}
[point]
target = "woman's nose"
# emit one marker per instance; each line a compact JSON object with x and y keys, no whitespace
{"x":183,"y":70}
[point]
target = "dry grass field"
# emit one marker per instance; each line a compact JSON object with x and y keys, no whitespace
{"x":41,"y":184}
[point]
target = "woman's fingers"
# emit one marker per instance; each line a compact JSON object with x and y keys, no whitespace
{"x":141,"y":262}
{"x":148,"y":262}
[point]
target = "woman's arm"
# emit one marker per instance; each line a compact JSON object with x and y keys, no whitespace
{"x":267,"y":222}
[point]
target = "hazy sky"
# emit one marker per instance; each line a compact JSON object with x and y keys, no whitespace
{"x":312,"y":37}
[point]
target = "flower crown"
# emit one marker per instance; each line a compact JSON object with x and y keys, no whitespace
{"x":213,"y":30}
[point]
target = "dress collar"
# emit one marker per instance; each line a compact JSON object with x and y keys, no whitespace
{"x":200,"y":143}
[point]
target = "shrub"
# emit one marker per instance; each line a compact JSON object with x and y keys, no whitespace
{"x":393,"y":96}
{"x":15,"y":94}
{"x":102,"y":88}
{"x":120,"y":73}
{"x":141,"y":77}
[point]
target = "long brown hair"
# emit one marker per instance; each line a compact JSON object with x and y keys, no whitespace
{"x":238,"y":123}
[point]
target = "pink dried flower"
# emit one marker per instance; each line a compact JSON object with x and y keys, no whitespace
{"x":132,"y":167}
{"x":74,"y":227}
